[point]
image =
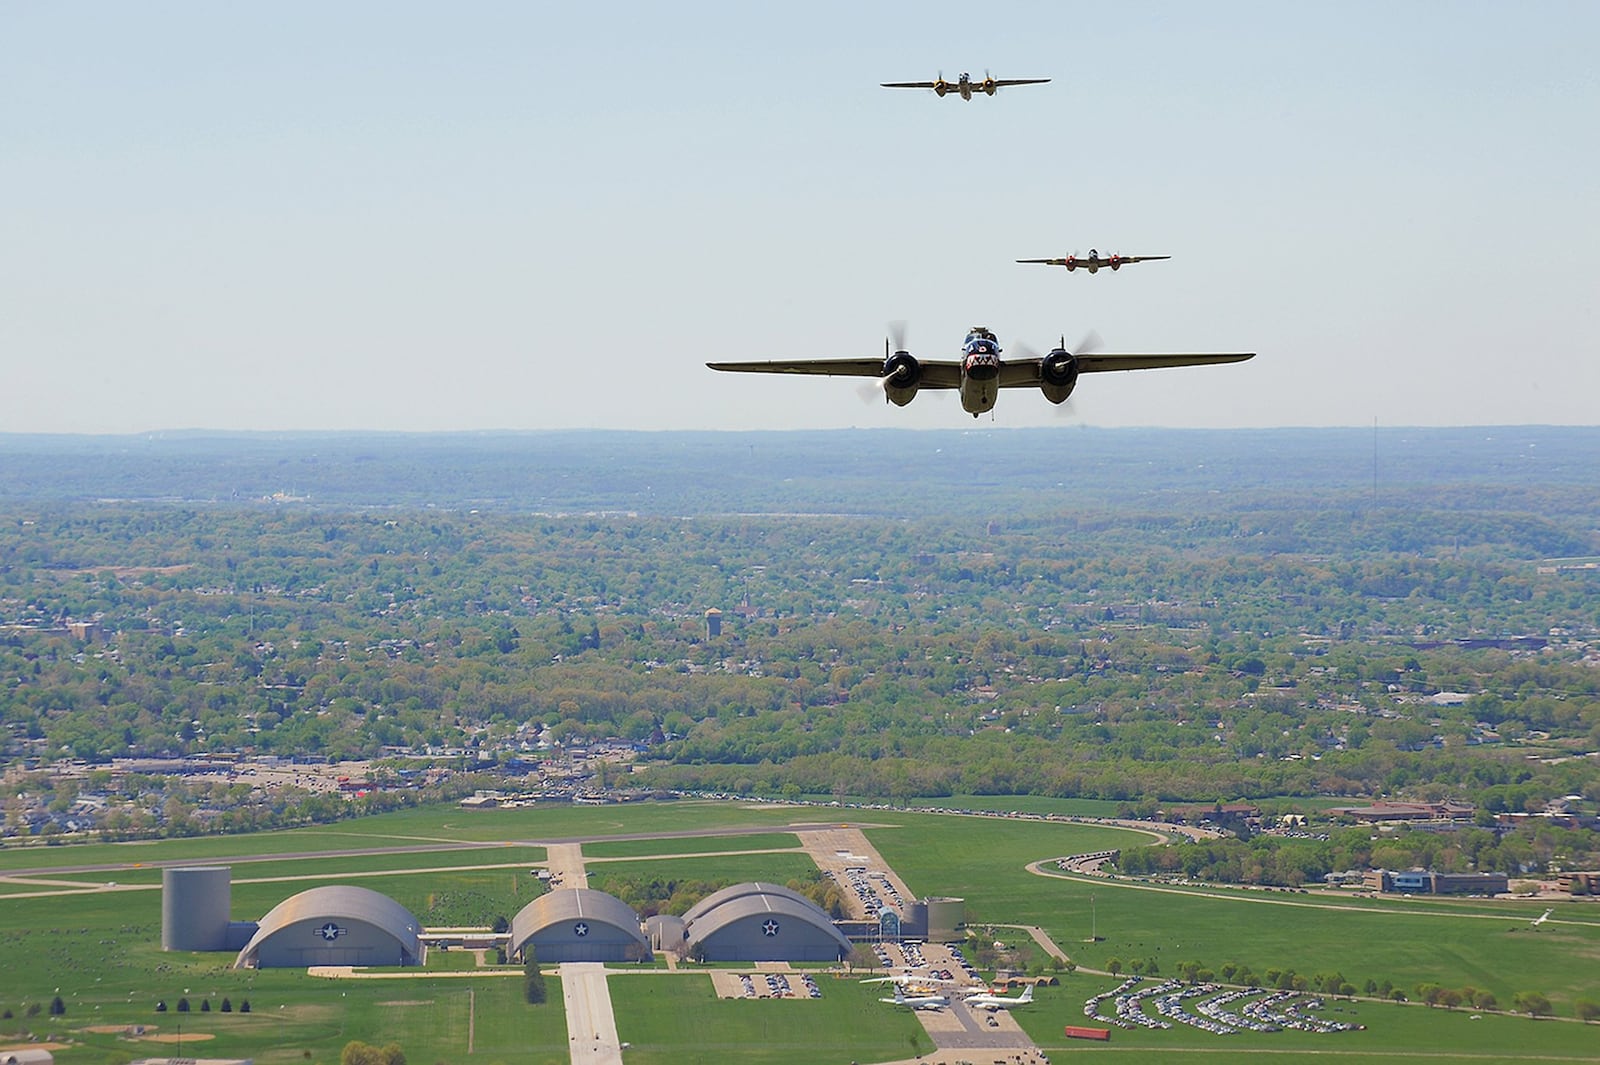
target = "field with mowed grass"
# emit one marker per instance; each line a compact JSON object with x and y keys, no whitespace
{"x":1485,"y":944}
{"x":678,"y":1020}
{"x":98,"y":949}
{"x":1393,"y":1032}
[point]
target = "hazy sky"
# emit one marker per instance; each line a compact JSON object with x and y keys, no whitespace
{"x":395,"y":215}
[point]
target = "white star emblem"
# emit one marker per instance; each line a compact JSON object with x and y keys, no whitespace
{"x":580,"y":929}
{"x":770,"y":928}
{"x":330,"y":931}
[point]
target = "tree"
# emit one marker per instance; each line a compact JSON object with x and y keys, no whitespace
{"x":358,"y":1053}
{"x":244,"y":1005}
{"x":183,"y":1005}
{"x":1587,"y":1010}
{"x":1532,"y":1003}
{"x":205,"y":1005}
{"x":57,"y":1007}
{"x":533,"y":980}
{"x":1114,"y":966}
{"x":227,"y":1005}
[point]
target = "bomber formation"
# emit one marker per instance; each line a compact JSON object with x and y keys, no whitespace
{"x":980,"y":372}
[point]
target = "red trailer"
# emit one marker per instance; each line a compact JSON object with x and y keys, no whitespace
{"x":1075,"y":1032}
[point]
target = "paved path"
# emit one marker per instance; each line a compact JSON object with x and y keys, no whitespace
{"x":835,"y":848}
{"x":591,"y":1026}
{"x":565,"y":861}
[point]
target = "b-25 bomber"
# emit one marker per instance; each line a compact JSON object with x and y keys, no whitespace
{"x":980,"y":373}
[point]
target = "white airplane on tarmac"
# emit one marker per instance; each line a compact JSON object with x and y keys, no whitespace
{"x":917,"y":1002}
{"x":990,"y":1001}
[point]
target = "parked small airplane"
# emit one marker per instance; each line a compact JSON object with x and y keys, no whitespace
{"x":980,"y":374}
{"x":964,"y":86}
{"x":917,"y":1002}
{"x":910,"y":980}
{"x":1094,"y":261}
{"x":1542,"y":918}
{"x":990,"y":1001}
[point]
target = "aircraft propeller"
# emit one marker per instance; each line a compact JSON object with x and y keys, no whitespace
{"x":1089,"y":343}
{"x":894,"y":342}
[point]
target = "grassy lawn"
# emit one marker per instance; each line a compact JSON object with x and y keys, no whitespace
{"x":1447,"y":943}
{"x":100,"y":951}
{"x":635,"y":848}
{"x":678,"y":1020}
{"x":1394,"y":1032}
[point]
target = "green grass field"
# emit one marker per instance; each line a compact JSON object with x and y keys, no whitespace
{"x":679,"y":1021}
{"x":100,"y":950}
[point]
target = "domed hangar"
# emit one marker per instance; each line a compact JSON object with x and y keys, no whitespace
{"x":761,"y":922}
{"x":336,"y":925}
{"x":579,"y":924}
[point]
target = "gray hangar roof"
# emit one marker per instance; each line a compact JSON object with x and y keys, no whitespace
{"x":380,"y":923}
{"x":609,"y":917}
{"x":739,"y":891}
{"x":763,"y":922}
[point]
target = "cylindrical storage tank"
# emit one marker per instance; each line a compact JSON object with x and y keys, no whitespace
{"x":195,"y":902}
{"x":915,"y":923}
{"x":945,"y":916}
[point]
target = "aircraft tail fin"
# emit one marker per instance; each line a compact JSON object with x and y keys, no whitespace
{"x":1027,"y":994}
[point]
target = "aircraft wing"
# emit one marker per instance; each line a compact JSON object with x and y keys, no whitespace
{"x":1019,"y":81}
{"x":907,"y":84}
{"x":1025,"y":373}
{"x":1085,"y":261}
{"x":943,"y":374}
{"x":1100,"y":362}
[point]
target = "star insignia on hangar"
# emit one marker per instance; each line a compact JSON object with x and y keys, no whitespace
{"x":331,"y":931}
{"x":770,"y":928}
{"x":580,"y":929}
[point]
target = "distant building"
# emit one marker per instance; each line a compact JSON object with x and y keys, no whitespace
{"x":26,"y":1056}
{"x":1408,"y":811}
{"x":761,"y":922}
{"x":334,"y":925}
{"x":579,"y":924}
{"x":1579,"y":883}
{"x":713,"y":623}
{"x":1425,"y":882}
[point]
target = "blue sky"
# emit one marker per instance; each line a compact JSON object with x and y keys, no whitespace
{"x":539,"y":215}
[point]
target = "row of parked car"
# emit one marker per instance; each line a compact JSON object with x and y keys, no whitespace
{"x":778,"y":986}
{"x":1213,"y":1008}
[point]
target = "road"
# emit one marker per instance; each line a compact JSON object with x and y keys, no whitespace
{"x":591,"y":1026}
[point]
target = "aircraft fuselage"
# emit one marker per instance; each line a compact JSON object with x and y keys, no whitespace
{"x":980,"y":372}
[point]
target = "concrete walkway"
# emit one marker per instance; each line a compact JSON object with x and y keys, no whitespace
{"x":565,"y":861}
{"x":591,"y":1026}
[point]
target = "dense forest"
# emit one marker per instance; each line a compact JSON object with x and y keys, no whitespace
{"x":1139,"y":616}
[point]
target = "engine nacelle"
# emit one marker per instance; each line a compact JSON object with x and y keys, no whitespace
{"x":989,"y":86}
{"x":1072,"y":264}
{"x":1058,"y":375}
{"x":941,"y":87}
{"x":902,"y":373}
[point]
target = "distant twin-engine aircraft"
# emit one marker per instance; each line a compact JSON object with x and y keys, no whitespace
{"x":980,"y":373}
{"x":1094,"y":261}
{"x":964,"y":86}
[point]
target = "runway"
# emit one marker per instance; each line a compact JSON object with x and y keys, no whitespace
{"x":591,"y":1026}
